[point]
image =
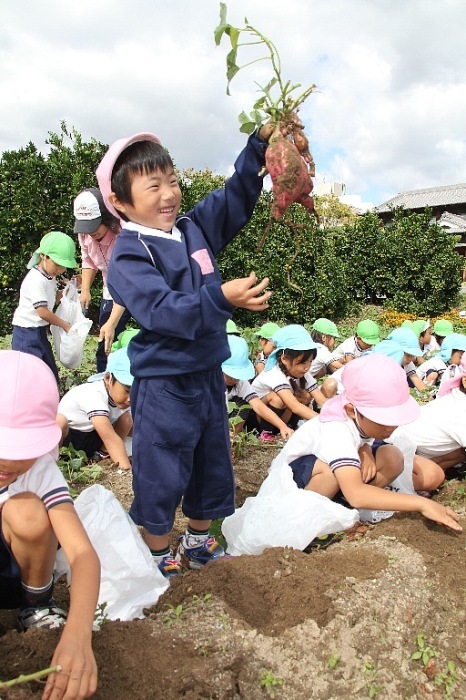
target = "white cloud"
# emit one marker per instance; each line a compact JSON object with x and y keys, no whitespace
{"x":388,"y":113}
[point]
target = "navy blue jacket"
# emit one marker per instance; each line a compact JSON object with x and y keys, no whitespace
{"x":173,"y":289}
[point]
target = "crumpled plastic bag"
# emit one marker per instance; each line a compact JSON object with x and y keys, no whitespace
{"x":283,"y":515}
{"x":130,"y":579}
{"x":69,"y":347}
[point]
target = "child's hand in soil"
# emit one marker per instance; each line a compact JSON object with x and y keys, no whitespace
{"x":440,"y":514}
{"x":247,"y":293}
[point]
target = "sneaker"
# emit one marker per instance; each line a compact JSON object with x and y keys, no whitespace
{"x":49,"y":617}
{"x":197,"y":557}
{"x":99,"y":455}
{"x":266,"y":436}
{"x":170,"y":567}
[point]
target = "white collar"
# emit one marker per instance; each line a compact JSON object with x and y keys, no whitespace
{"x":174,"y":235}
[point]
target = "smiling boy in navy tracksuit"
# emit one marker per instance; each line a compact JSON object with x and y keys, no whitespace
{"x":163,"y":271}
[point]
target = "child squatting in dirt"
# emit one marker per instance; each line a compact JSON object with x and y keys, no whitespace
{"x":163,"y":271}
{"x":345,"y":449}
{"x":37,"y":512}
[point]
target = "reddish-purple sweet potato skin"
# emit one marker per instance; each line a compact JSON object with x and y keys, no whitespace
{"x":291,"y":181}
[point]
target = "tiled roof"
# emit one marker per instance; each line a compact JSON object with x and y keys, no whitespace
{"x":429,"y":197}
{"x":452,"y":222}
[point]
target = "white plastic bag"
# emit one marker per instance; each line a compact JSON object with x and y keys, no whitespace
{"x":283,"y":515}
{"x":130,"y":579}
{"x":69,"y":347}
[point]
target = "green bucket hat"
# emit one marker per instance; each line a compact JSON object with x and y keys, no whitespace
{"x":326,"y":327}
{"x":420,"y":326}
{"x":124,"y":338}
{"x":58,"y":247}
{"x":368,"y":331}
{"x":443,"y":327}
{"x":232,"y":328}
{"x":267,"y":330}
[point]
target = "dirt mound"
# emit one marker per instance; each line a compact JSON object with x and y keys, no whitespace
{"x":336,"y":623}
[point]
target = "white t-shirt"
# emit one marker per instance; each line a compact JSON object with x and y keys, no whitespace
{"x":410,"y":369}
{"x":440,"y":427}
{"x":37,"y":289}
{"x":243,"y":390}
{"x":323,"y":358}
{"x":86,"y":401}
{"x":450,"y":372}
{"x":347,"y":347}
{"x":44,"y":479}
{"x":434,"y":364}
{"x":276,"y":380}
{"x":337,"y":443}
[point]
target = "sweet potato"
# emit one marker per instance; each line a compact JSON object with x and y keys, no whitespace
{"x":291,"y":181}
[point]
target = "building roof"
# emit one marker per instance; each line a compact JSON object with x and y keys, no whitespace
{"x":428,"y":197}
{"x":453,"y":223}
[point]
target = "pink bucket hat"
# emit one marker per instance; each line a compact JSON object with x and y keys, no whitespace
{"x":28,"y":408}
{"x":106,"y":165}
{"x":449,"y":384}
{"x":376,"y":386}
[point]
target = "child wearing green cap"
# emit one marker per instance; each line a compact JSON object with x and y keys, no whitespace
{"x":367,"y":335}
{"x":38,"y":297}
{"x":324,"y":333}
{"x":264,"y":336}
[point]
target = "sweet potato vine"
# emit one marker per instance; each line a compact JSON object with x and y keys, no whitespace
{"x":288,"y":159}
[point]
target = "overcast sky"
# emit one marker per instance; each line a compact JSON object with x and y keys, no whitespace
{"x":388,"y":114}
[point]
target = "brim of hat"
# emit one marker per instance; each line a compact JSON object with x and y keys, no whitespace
{"x":63,"y":262}
{"x":87,"y":226}
{"x":28,"y":443}
{"x":370,"y":341}
{"x":238,"y":372}
{"x":417,"y":352}
{"x":392,"y":415}
{"x":123,"y":377}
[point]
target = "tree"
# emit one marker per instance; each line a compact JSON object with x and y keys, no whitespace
{"x":36,"y":196}
{"x":332,"y":212}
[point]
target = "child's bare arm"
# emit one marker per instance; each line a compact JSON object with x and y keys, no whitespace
{"x":247,"y":293}
{"x":417,"y":381}
{"x":318,"y":396}
{"x":368,"y":466}
{"x":360,"y":495}
{"x":113,"y":442}
{"x":78,"y":677}
{"x":291,"y":402}
{"x":52,"y":318}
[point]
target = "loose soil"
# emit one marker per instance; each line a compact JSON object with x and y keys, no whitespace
{"x":342,"y":621}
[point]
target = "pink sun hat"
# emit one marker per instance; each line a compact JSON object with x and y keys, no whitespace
{"x":105,"y":168}
{"x":376,"y":386}
{"x":28,"y":408}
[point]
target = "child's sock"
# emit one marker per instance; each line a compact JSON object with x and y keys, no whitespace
{"x":36,"y":597}
{"x":159,"y":554}
{"x":194,"y":538}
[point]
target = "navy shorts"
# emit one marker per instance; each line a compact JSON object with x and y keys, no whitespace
{"x":88,"y":442}
{"x":302,"y":467}
{"x":181,"y":450}
{"x":10,"y":577}
{"x":35,"y":342}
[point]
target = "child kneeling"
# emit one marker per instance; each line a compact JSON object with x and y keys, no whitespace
{"x":37,"y":512}
{"x":335,"y":451}
{"x":95,"y":416}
